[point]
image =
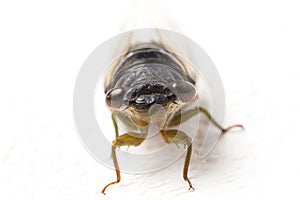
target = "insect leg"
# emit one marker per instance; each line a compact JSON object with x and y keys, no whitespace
{"x":224,"y":130}
{"x":182,"y":117}
{"x":113,"y":153}
{"x":127,"y":139}
{"x":179,"y":137}
{"x":190,"y":113}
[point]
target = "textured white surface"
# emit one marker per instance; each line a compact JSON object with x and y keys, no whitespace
{"x":254,"y":44}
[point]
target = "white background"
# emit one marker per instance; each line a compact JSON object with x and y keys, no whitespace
{"x":255,"y":46}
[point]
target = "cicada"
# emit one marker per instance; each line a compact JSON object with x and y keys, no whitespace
{"x":148,"y":84}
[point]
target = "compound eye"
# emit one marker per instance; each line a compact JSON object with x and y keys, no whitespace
{"x":114,"y":98}
{"x":185,"y":90}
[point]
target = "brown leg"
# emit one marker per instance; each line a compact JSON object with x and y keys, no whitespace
{"x":128,"y":139}
{"x":179,"y":137}
{"x":186,"y":167}
{"x":113,"y":153}
{"x":224,"y":130}
{"x":190,"y":113}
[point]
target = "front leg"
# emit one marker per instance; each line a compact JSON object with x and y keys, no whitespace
{"x":179,"y":137}
{"x":127,"y":139}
